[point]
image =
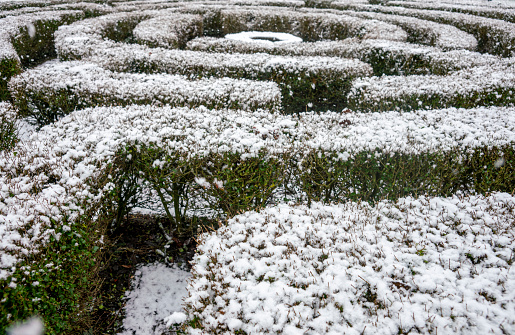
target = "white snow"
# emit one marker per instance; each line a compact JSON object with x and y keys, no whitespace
{"x":421,"y":265}
{"x":33,"y":326}
{"x":169,"y":29}
{"x":78,"y":147}
{"x":90,"y":85}
{"x":265,"y":37}
{"x":157,"y":291}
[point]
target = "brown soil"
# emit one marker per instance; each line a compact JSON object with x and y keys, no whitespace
{"x":132,"y":243}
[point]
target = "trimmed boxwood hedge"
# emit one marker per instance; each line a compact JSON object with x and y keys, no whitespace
{"x":59,"y":282}
{"x":230,"y":183}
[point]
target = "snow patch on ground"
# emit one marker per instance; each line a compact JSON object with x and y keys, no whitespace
{"x":158,"y":291}
{"x":25,"y":128}
{"x":265,"y":37}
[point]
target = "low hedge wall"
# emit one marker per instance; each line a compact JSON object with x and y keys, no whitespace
{"x":308,"y":24}
{"x":494,"y":36}
{"x":58,"y":283}
{"x":170,"y":31}
{"x":314,"y":83}
{"x":54,"y":90}
{"x":21,"y":47}
{"x":385,"y":57}
{"x":317,"y":83}
{"x":411,"y":266}
{"x":78,"y":169}
{"x":442,"y":36}
{"x":480,"y":86}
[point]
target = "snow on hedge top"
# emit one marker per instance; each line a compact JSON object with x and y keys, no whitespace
{"x":120,"y":57}
{"x":89,"y":84}
{"x":10,"y":27}
{"x":171,"y":30}
{"x":397,"y":52}
{"x":7,"y":112}
{"x":421,"y":265}
{"x":439,"y":35}
{"x":497,"y":35}
{"x":78,"y":147}
{"x":200,"y":131}
{"x":315,"y":24}
{"x":477,"y":82}
{"x":480,"y":8}
{"x":82,"y":37}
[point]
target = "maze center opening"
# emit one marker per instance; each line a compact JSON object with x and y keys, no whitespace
{"x":264,"y":37}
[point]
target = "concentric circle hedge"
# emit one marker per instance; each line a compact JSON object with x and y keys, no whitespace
{"x":348,"y":169}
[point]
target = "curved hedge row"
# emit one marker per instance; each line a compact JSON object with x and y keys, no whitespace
{"x":494,"y":36}
{"x":318,"y":82}
{"x":171,"y":30}
{"x":479,"y":86}
{"x":26,"y":39}
{"x":443,"y":36}
{"x":497,"y":11}
{"x":53,"y":90}
{"x":385,"y":57}
{"x":419,"y":265}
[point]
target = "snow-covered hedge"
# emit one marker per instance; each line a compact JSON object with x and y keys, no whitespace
{"x":51,"y":222}
{"x":493,"y":36}
{"x":309,"y":25}
{"x":385,"y":57}
{"x":56,"y":89}
{"x":479,"y":9}
{"x":419,"y":265}
{"x":28,"y":38}
{"x":83,"y":37}
{"x":442,"y":36}
{"x":479,"y":86}
{"x":89,"y":9}
{"x":204,"y":131}
{"x":68,"y":175}
{"x":320,"y":82}
{"x":171,"y":30}
{"x":54,"y":165}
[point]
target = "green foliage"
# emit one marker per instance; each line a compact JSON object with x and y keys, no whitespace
{"x":46,"y":106}
{"x":318,"y":3}
{"x":385,"y":62}
{"x":309,"y":27}
{"x":371,"y":176}
{"x":121,"y":31}
{"x":248,"y":183}
{"x":492,"y":97}
{"x":8,"y":133}
{"x":55,"y":283}
{"x":316,"y":91}
{"x":31,"y":50}
{"x":232,"y":183}
{"x":171,"y":177}
{"x":8,"y":68}
{"x":39,"y":47}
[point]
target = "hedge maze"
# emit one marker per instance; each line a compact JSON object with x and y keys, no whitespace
{"x":362,"y":180}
